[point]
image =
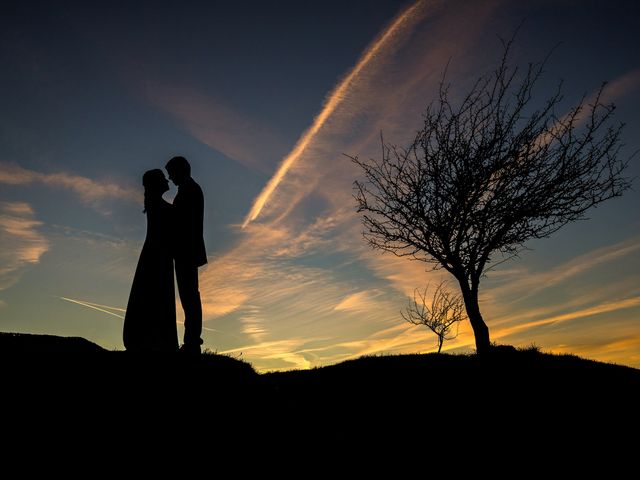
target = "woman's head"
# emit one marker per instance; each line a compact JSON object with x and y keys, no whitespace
{"x":155,"y":182}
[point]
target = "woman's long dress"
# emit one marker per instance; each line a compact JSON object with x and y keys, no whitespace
{"x":150,"y":320}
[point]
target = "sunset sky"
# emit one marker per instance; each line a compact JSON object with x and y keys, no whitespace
{"x":264,"y":98}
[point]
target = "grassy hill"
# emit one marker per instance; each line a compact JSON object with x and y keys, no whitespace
{"x":512,"y":411}
{"x":71,"y":378}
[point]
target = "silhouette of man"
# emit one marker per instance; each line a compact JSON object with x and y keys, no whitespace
{"x":190,"y":251}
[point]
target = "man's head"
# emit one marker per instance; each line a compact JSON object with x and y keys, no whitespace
{"x":178,"y":169}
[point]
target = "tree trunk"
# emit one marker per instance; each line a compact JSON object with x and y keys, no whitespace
{"x":480,"y":329}
{"x":440,"y":342}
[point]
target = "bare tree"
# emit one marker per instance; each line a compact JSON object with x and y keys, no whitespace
{"x":488,"y":173}
{"x":443,"y":312}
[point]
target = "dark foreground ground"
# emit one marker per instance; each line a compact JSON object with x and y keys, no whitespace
{"x":60,"y":384}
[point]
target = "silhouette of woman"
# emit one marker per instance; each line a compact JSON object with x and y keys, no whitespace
{"x":150,"y":320}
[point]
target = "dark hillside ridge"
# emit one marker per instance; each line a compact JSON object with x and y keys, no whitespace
{"x":31,"y":343}
{"x":72,"y":378}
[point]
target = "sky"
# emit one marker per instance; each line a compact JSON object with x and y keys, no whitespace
{"x":266,"y":100}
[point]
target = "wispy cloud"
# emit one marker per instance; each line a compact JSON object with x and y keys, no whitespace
{"x":605,"y":307}
{"x":220,"y":126}
{"x":387,"y":92}
{"x":359,"y":302}
{"x":524,"y":283}
{"x":622,"y":86}
{"x":91,"y":192}
{"x":404,"y":338}
{"x":403,"y":274}
{"x":621,"y":347}
{"x":277,"y":292}
{"x":402,"y":24}
{"x":253,"y":324}
{"x":275,"y":355}
{"x":300,"y":286}
{"x":506,"y":312}
{"x":21,"y":243}
{"x":615,"y":90}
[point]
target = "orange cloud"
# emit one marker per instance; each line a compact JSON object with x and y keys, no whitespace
{"x":21,"y":244}
{"x":405,"y":338}
{"x":606,"y":307}
{"x":388,"y":93}
{"x":527,"y":283}
{"x":275,"y":355}
{"x":276,"y":298}
{"x":623,"y":351}
{"x":281,"y":293}
{"x":622,"y":86}
{"x":399,"y":27}
{"x":360,"y":302}
{"x":613,"y":91}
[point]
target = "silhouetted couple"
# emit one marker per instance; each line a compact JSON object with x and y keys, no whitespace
{"x":174,"y":236}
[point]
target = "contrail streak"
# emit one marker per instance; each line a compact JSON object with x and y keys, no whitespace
{"x":336,"y":97}
{"x":204,"y":328}
{"x":95,"y":306}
